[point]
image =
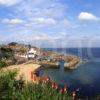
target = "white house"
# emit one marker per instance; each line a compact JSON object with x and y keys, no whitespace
{"x":32,"y":53}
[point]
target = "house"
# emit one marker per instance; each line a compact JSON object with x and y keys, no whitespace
{"x":32,"y":53}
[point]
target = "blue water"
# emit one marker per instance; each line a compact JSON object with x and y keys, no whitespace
{"x":85,"y":79}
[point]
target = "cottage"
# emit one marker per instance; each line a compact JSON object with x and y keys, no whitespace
{"x":32,"y":53}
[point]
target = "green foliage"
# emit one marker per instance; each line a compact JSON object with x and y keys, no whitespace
{"x":6,"y":52}
{"x":7,"y":81}
{"x":3,"y":63}
{"x":40,"y":92}
{"x":12,"y":89}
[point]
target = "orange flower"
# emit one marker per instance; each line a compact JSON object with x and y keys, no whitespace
{"x":31,"y":75}
{"x":34,"y":77}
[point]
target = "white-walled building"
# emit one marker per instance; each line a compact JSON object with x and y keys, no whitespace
{"x":32,"y":53}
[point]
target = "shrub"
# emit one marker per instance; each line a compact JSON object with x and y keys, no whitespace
{"x":3,"y":63}
{"x":6,"y":53}
{"x":13,"y":44}
{"x":7,"y":81}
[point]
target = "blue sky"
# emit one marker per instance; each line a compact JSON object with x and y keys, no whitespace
{"x":45,"y":23}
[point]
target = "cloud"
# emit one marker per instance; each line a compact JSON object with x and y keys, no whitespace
{"x":44,"y":21}
{"x":85,"y":16}
{"x":47,"y":40}
{"x":12,"y":21}
{"x":36,"y":8}
{"x":9,"y":2}
{"x":37,"y":15}
{"x":34,"y":39}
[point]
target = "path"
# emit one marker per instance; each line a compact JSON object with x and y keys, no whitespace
{"x":24,"y":70}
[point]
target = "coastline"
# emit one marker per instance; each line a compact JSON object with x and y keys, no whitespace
{"x":45,"y":59}
{"x":24,"y":70}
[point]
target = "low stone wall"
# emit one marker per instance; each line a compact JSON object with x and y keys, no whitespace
{"x":72,"y":64}
{"x":47,"y":64}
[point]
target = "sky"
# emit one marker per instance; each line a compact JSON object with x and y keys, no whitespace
{"x":50,"y":23}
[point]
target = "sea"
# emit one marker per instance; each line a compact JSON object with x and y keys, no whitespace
{"x":86,"y":78}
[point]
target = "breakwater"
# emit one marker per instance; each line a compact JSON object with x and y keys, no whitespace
{"x":52,"y":59}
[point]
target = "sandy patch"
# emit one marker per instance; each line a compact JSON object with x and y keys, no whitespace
{"x":23,"y":70}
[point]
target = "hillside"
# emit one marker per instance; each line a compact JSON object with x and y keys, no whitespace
{"x":8,"y":52}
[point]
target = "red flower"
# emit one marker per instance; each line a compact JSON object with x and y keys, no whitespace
{"x":61,"y":90}
{"x":74,"y":94}
{"x":56,"y":86}
{"x":53,"y":85}
{"x":48,"y":79}
{"x":65,"y":89}
{"x":45,"y":81}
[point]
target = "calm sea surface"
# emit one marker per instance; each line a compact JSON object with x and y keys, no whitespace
{"x":85,"y":79}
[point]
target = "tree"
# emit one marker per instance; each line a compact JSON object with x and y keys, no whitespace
{"x":13,"y":44}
